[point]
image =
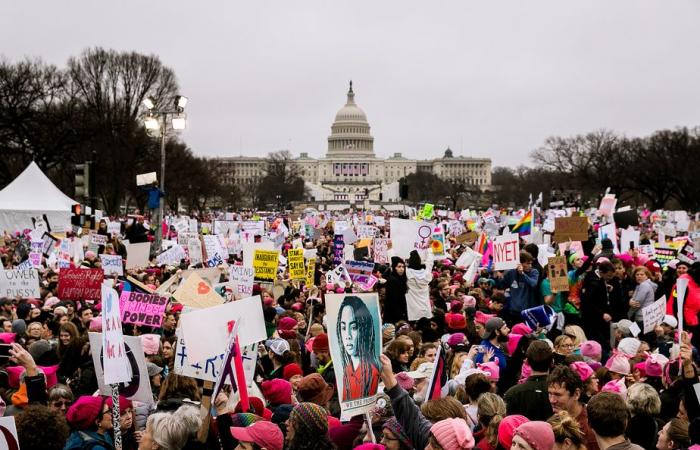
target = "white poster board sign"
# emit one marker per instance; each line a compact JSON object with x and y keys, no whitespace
{"x":506,"y":252}
{"x":112,"y":264}
{"x":22,"y":283}
{"x":653,"y":314}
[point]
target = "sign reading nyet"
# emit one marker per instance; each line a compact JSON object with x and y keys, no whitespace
{"x":19,"y":283}
{"x":506,"y":252}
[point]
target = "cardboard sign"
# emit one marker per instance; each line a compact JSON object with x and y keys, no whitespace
{"x":467,"y":238}
{"x":206,"y":331}
{"x":265,"y":263}
{"x":137,"y":255}
{"x":408,"y":235}
{"x":23,"y":283}
{"x":506,"y":252}
{"x":138,"y":387}
{"x":114,"y":359}
{"x":194,"y":251}
{"x":142,"y":309}
{"x":8,"y":433}
{"x":354,"y":339}
{"x":173,"y":256}
{"x":653,"y":314}
{"x":571,"y":228}
{"x":112,"y":265}
{"x":310,"y":272}
{"x":80,"y":284}
{"x":380,"y":250}
{"x":244,"y":278}
{"x":556,"y":272}
{"x":295,"y":260}
{"x":197,"y":293}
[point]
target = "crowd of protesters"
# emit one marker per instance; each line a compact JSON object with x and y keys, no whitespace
{"x":591,"y":380}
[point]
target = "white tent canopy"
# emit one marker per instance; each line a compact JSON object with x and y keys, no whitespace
{"x":30,"y":195}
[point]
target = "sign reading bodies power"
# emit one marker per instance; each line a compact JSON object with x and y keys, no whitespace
{"x":506,"y":252}
{"x":142,"y":309}
{"x":19,"y":283}
{"x":80,"y":284}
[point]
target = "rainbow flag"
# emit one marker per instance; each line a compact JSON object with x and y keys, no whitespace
{"x":524,"y":225}
{"x":482,"y":244}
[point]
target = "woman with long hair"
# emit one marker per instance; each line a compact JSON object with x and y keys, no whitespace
{"x":395,"y":308}
{"x":567,"y":432}
{"x":399,"y":352}
{"x":70,"y":350}
{"x":491,"y":409}
{"x":356,"y":335}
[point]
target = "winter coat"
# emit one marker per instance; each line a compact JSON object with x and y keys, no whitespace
{"x":418,"y":295}
{"x":644,"y":294}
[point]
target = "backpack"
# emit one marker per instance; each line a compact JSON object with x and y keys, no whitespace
{"x":88,"y":442}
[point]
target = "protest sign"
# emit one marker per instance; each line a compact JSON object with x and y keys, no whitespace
{"x":142,"y":309}
{"x":114,"y":228}
{"x":206,"y":331}
{"x":22,"y":283}
{"x":468,"y":257}
{"x":24,"y":265}
{"x":249,"y":248}
{"x":98,"y":239}
{"x":506,"y":252}
{"x":295,"y":260}
{"x":257,"y":227}
{"x":137,"y":255}
{"x":194,"y":251}
{"x":138,"y":387}
{"x":35,"y":259}
{"x":467,"y":238}
{"x":609,"y":232}
{"x":428,"y":211}
{"x":48,"y":243}
{"x":607,"y":205}
{"x":354,"y":338}
{"x":80,"y":284}
{"x":339,"y":226}
{"x":112,"y":265}
{"x":556,"y":272}
{"x":380,"y":250}
{"x":173,"y":256}
{"x":653,"y":314}
{"x":687,"y":253}
{"x":244,"y":278}
{"x":310,"y":272}
{"x":625,"y":219}
{"x":571,"y":228}
{"x":359,"y":271}
{"x":438,"y":243}
{"x":265,"y":263}
{"x":338,"y":249}
{"x":408,"y":235}
{"x":197,"y":293}
{"x":366,"y":231}
{"x":8,"y":433}
{"x":629,"y":239}
{"x":184,"y":237}
{"x":574,"y":247}
{"x":116,"y":366}
{"x":226,"y":228}
{"x":664,"y":253}
{"x":213,"y":248}
{"x":211,"y":275}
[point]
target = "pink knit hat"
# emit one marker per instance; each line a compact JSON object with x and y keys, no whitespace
{"x":618,"y":363}
{"x":654,"y":365}
{"x":582,"y":369}
{"x":521,"y":328}
{"x":150,"y":344}
{"x":591,"y":349}
{"x":538,"y":434}
{"x":617,"y":387}
{"x":513,"y":340}
{"x":456,"y":339}
{"x":492,"y":368}
{"x":405,"y":381}
{"x":507,"y":427}
{"x":453,"y":434}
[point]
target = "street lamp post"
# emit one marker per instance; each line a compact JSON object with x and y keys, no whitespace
{"x":178,"y":122}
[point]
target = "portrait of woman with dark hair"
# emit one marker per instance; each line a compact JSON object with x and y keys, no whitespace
{"x":355,"y":331}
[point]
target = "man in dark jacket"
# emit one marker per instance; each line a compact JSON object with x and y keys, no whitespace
{"x":530,"y":398}
{"x":595,"y":306}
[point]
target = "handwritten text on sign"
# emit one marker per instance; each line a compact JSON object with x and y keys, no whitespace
{"x":653,"y":314}
{"x":117,"y":368}
{"x":265,"y":264}
{"x":19,"y":283}
{"x":142,"y":309}
{"x":80,"y":284}
{"x":244,"y":277}
{"x":506,"y":253}
{"x":295,"y":259}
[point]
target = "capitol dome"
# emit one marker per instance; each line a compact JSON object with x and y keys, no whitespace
{"x":350,"y":132}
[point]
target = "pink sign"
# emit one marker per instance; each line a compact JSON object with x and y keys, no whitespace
{"x":142,"y":309}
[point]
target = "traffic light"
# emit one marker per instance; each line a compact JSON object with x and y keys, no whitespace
{"x":82,"y":181}
{"x":77,"y":218}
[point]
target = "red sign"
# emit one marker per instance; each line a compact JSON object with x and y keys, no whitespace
{"x":80,"y":284}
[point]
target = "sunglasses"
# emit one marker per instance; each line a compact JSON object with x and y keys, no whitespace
{"x":59,"y":403}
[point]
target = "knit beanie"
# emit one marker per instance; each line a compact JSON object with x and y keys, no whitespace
{"x":405,"y":381}
{"x":521,"y":328}
{"x":395,"y":427}
{"x":617,"y":387}
{"x":291,"y":370}
{"x":82,"y":414}
{"x":583,"y":370}
{"x":492,"y":368}
{"x":285,"y":327}
{"x":591,"y":349}
{"x":654,"y":365}
{"x":453,"y":434}
{"x":629,"y":346}
{"x":310,"y":416}
{"x":507,"y":427}
{"x":618,"y":363}
{"x":320,"y":343}
{"x":538,"y":434}
{"x":277,"y":391}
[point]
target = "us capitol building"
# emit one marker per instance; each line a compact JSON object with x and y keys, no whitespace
{"x":351,"y":173}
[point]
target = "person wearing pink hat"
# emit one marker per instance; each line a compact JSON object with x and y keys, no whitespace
{"x":618,"y":365}
{"x":587,"y":375}
{"x":493,"y":370}
{"x":450,"y":434}
{"x":261,"y":435}
{"x":533,"y":436}
{"x":565,"y":389}
{"x":507,"y":427}
{"x":480,"y":320}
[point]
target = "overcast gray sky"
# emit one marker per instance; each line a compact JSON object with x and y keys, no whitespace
{"x":489,"y":79}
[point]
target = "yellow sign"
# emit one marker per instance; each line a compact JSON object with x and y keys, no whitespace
{"x":310,"y":272}
{"x":295,"y":261}
{"x":265,"y":263}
